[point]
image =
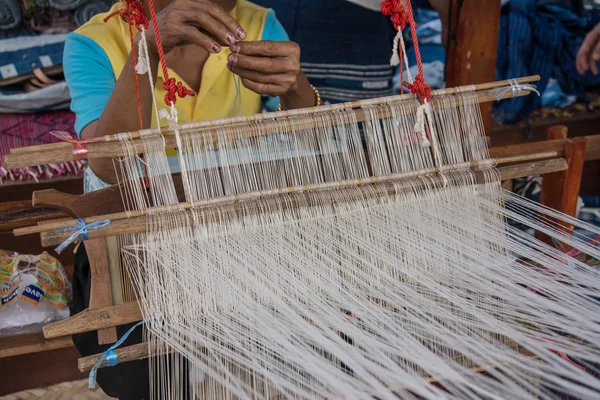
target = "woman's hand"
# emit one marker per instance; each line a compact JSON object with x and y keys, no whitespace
{"x":589,"y":53}
{"x":199,"y":22}
{"x":266,"y":67}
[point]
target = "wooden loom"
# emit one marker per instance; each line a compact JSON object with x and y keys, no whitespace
{"x":111,"y":304}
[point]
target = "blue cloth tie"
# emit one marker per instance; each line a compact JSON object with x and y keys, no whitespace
{"x":110,"y":356}
{"x":81,"y":232}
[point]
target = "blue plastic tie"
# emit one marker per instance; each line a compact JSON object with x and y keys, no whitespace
{"x":81,"y":232}
{"x":110,"y":356}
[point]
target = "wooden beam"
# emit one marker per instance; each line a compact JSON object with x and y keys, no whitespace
{"x":19,"y":214}
{"x":592,"y":148}
{"x":26,"y":344}
{"x":134,"y":352}
{"x":473,"y":28}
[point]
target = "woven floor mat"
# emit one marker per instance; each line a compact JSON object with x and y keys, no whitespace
{"x":77,"y":390}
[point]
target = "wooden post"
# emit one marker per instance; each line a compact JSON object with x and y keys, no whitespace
{"x":473,"y":28}
{"x":101,"y":292}
{"x":560,"y":190}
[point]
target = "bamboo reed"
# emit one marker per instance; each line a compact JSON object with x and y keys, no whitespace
{"x":36,"y":155}
{"x":292,"y":113}
{"x":292,"y":189}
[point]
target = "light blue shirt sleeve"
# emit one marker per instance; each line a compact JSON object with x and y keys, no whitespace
{"x":83,"y":58}
{"x":273,"y":30}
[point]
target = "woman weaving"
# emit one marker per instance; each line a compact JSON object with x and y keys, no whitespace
{"x":205,"y":43}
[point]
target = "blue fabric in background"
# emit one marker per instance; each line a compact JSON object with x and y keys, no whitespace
{"x":540,"y":38}
{"x":433,"y":55}
{"x":346,"y":48}
{"x":23,"y":54}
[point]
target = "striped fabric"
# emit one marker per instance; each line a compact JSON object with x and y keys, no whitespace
{"x":348,"y":82}
{"x":346,"y":48}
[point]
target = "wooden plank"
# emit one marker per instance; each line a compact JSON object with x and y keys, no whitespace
{"x":592,"y":149}
{"x":560,"y":190}
{"x":39,"y":370}
{"x":33,"y":343}
{"x":473,"y":28}
{"x":19,"y":214}
{"x":92,"y":320}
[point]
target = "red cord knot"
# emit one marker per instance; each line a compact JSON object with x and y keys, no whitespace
{"x":397,"y":14}
{"x":175,"y":89}
{"x":419,"y":88}
{"x":388,"y":6}
{"x":132,"y":12}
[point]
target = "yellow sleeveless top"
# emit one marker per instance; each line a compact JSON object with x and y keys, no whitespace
{"x":217,"y":91}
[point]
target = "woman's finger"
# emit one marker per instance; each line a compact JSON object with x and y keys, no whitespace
{"x":191,"y":34}
{"x":593,"y":65}
{"x":265,"y":65}
{"x":595,"y":57}
{"x":587,"y":48}
{"x":286,"y":80}
{"x":267,"y":48}
{"x":212,"y":27}
{"x":264,"y":88}
{"x":579,"y":63}
{"x":218,"y":13}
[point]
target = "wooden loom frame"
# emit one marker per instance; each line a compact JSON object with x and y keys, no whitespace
{"x":103,"y":315}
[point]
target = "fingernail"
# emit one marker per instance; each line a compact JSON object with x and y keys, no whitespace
{"x":240,"y":33}
{"x":233,"y":59}
{"x":216,"y":48}
{"x":229,"y":37}
{"x":230,"y":67}
{"x":235,"y":48}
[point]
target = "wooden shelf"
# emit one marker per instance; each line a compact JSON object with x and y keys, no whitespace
{"x":34,"y":343}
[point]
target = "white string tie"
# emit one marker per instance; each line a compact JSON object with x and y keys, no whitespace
{"x":420,"y":125}
{"x":142,"y":65}
{"x":515,"y":87}
{"x":172,"y":117}
{"x":395,"y":60}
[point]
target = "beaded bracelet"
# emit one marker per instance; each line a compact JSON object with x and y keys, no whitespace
{"x":316,"y":94}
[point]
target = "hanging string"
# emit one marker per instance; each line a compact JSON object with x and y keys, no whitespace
{"x":237,"y":101}
{"x":135,"y":78}
{"x":132,"y":13}
{"x":400,"y":17}
{"x":401,"y":74}
{"x":173,"y":88}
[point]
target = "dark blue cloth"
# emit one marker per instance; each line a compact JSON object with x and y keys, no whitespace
{"x":540,"y":38}
{"x":23,"y":54}
{"x":345,"y":48}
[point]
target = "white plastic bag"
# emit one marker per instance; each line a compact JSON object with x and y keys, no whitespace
{"x":34,"y":291}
